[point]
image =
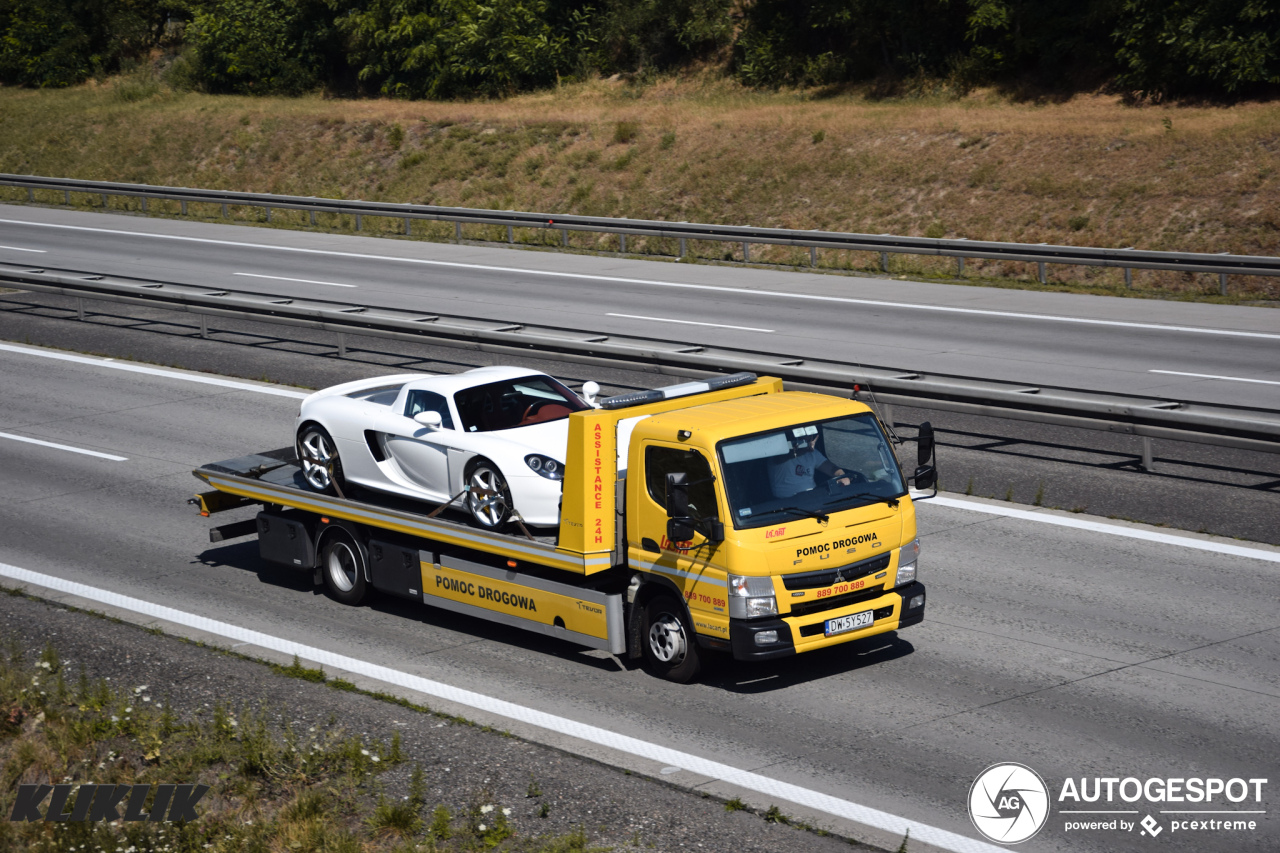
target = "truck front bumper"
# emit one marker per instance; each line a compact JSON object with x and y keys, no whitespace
{"x":742,"y":634}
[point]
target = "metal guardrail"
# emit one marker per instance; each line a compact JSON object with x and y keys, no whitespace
{"x":883,"y":244}
{"x":1147,"y":417}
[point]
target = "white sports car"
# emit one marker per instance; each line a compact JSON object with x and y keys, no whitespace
{"x":499,"y":432}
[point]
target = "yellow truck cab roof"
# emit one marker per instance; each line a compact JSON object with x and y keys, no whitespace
{"x":714,"y":422}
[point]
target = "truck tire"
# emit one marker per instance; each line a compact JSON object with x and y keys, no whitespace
{"x":342,"y":564}
{"x":670,"y":648}
{"x":490,"y":511}
{"x":318,"y":458}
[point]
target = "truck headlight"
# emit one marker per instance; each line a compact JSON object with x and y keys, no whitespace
{"x":751,"y":597}
{"x":545,"y":466}
{"x":908,"y":558}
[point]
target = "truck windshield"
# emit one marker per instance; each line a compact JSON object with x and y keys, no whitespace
{"x":814,"y":468}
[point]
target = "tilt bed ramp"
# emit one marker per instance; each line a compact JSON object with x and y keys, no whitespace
{"x":718,"y":516}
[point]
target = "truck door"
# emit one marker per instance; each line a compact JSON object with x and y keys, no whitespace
{"x":694,"y":565}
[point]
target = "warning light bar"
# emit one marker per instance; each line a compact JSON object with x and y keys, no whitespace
{"x":684,"y":389}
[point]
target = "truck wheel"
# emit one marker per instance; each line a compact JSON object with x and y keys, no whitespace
{"x":318,"y":456}
{"x":490,"y":499}
{"x":670,"y":648}
{"x":342,"y":564}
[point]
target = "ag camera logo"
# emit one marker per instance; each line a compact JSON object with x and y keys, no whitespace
{"x":1009,"y":803}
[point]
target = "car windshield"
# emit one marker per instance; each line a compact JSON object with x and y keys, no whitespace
{"x":514,"y":403}
{"x":814,"y":468}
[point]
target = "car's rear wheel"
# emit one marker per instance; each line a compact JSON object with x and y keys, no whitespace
{"x":488,"y":496}
{"x":318,"y":456}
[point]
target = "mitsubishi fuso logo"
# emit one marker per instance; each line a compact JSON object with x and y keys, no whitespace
{"x":1009,"y":803}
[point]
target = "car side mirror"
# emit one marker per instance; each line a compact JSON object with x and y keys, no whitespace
{"x":429,"y":419}
{"x":924,"y":444}
{"x":925,"y":478}
{"x":590,"y":391}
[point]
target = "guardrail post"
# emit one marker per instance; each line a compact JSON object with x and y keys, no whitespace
{"x":406,"y":227}
{"x":224,"y":210}
{"x":1043,"y":280}
{"x":204,"y":327}
{"x":622,"y":243}
{"x":1146,"y":455}
{"x":1222,"y":283}
{"x":268,"y":214}
{"x":886,"y":412}
{"x":564,"y":236}
{"x":79,"y":308}
{"x":511,"y":235}
{"x":813,"y":256}
{"x":104,"y":200}
{"x":313,"y":218}
{"x":31,"y":194}
{"x":682,"y":247}
{"x":66,"y":196}
{"x":342,"y":345}
{"x":359,"y":222}
{"x":884,"y":262}
{"x":960,"y":267}
{"x":143,"y":199}
{"x":1128,"y":278}
{"x":184,"y":207}
{"x":746,"y":253}
{"x":457,"y":232}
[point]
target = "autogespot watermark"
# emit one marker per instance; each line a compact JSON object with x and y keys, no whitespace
{"x":104,"y":802}
{"x":1009,"y":803}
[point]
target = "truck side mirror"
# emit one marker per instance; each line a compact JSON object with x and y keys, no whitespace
{"x":924,"y":444}
{"x":925,"y":477}
{"x":680,"y":524}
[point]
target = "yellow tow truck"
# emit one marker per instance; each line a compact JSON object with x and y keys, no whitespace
{"x":725,"y":515}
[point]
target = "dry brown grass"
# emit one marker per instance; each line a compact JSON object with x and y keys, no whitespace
{"x":1090,"y":171}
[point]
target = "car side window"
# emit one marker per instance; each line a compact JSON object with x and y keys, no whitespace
{"x":661,"y":461}
{"x":429,"y":401}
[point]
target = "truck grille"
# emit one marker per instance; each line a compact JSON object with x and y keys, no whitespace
{"x":807,"y":608}
{"x":826,"y":577}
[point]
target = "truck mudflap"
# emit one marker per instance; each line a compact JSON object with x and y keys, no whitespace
{"x":583,"y":616}
{"x":766,"y":639}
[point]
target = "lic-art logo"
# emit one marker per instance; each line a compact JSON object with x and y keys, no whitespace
{"x":1008,"y":803}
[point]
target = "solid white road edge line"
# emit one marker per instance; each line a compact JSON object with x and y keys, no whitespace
{"x":690,"y":323}
{"x":155,"y":371}
{"x":20,"y":249}
{"x":1212,"y":376}
{"x":23,"y":438}
{"x":561,"y":725}
{"x":1112,"y":529}
{"x":283,"y":278}
{"x":652,"y":283}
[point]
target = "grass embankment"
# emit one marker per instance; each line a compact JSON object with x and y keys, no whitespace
{"x":1090,"y":171}
{"x":273,"y":787}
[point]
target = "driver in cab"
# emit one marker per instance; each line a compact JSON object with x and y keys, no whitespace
{"x":795,"y":473}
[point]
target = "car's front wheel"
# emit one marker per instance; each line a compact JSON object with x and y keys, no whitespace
{"x":318,"y":456}
{"x":488,"y":496}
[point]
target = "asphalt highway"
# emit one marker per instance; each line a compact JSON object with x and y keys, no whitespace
{"x":1071,"y":649}
{"x":1199,"y":352}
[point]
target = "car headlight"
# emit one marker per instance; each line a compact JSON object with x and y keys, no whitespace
{"x":545,"y":466}
{"x":908,"y":559}
{"x":750,"y":597}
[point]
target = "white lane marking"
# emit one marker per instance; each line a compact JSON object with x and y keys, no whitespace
{"x":20,"y":249}
{"x":562,"y":725}
{"x":690,"y":323}
{"x":300,"y":280}
{"x":68,"y":447}
{"x":652,"y":283}
{"x":1213,"y":376}
{"x":1111,"y":529}
{"x":156,"y":371}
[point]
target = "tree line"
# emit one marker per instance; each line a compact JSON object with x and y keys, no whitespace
{"x":466,"y":48}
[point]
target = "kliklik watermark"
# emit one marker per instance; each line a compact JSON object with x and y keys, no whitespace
{"x":106,"y":802}
{"x":1010,"y":803}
